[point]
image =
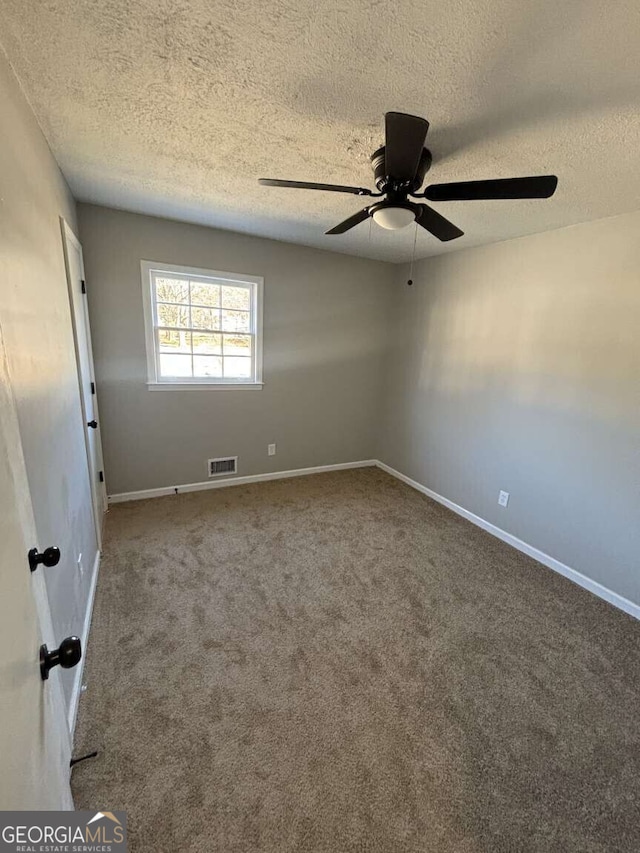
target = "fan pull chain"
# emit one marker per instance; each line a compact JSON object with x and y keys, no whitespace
{"x":413,"y":254}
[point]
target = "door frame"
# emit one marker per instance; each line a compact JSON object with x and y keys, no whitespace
{"x":98,"y":492}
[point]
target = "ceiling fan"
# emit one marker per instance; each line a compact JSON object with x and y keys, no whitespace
{"x":399,"y":169}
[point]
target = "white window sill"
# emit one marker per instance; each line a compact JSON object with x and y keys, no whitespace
{"x":205,"y":386}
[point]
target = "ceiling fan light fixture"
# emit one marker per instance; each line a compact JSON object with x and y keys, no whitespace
{"x":393,"y":218}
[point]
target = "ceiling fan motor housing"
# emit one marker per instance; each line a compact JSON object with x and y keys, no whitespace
{"x":386,"y":183}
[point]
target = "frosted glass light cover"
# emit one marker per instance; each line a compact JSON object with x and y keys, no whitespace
{"x":393,"y":218}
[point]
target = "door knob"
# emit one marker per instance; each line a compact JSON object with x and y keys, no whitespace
{"x":49,"y":557}
{"x":93,"y":424}
{"x":67,"y":655}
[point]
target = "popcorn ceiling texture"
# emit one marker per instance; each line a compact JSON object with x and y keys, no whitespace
{"x":176,"y":107}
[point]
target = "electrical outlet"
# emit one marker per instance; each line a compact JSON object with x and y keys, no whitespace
{"x":271,"y":449}
{"x":503,"y":498}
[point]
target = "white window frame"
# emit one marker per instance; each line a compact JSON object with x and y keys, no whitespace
{"x":157,"y":383}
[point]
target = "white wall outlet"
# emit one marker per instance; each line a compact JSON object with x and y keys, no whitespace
{"x":503,"y":498}
{"x":271,"y":449}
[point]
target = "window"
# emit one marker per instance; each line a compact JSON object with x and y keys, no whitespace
{"x":203,"y":328}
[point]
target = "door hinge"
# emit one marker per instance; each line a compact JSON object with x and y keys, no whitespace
{"x":101,"y":475}
{"x":84,"y":286}
{"x":93,"y":387}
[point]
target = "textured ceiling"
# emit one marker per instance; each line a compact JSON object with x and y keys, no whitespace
{"x":176,"y":107}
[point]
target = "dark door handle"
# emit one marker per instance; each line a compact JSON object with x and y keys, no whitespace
{"x":92,"y":424}
{"x":66,"y":656}
{"x":49,"y":557}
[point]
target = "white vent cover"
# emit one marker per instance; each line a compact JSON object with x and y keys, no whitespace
{"x":223,"y":465}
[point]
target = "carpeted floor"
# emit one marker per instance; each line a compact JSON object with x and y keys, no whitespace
{"x":336,"y":664}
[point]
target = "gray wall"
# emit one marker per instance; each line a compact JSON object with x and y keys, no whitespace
{"x":36,"y":324}
{"x":517,"y":366}
{"x":325,"y":321}
{"x":514,"y":366}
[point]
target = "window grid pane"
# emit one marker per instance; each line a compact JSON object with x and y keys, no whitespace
{"x":173,"y":316}
{"x":205,"y":318}
{"x":236,"y":298}
{"x":174,"y":340}
{"x":206,"y":343}
{"x":237,"y":367}
{"x":172,"y":289}
{"x":176,"y":366}
{"x":204,"y":329}
{"x":204,"y":293}
{"x":207,"y":365}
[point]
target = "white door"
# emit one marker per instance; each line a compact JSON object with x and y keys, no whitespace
{"x":86,"y":375}
{"x":35,"y":746}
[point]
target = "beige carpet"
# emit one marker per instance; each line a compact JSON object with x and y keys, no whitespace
{"x":336,"y":663}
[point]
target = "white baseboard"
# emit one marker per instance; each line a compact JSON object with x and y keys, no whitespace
{"x":79,"y":670}
{"x":236,"y":481}
{"x":572,"y":574}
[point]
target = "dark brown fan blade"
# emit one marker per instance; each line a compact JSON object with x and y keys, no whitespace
{"x":405,"y":136}
{"x":304,"y":185}
{"x":437,"y":225}
{"x":356,"y":219}
{"x":540,"y":187}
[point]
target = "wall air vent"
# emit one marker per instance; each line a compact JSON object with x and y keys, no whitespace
{"x":223,"y":465}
